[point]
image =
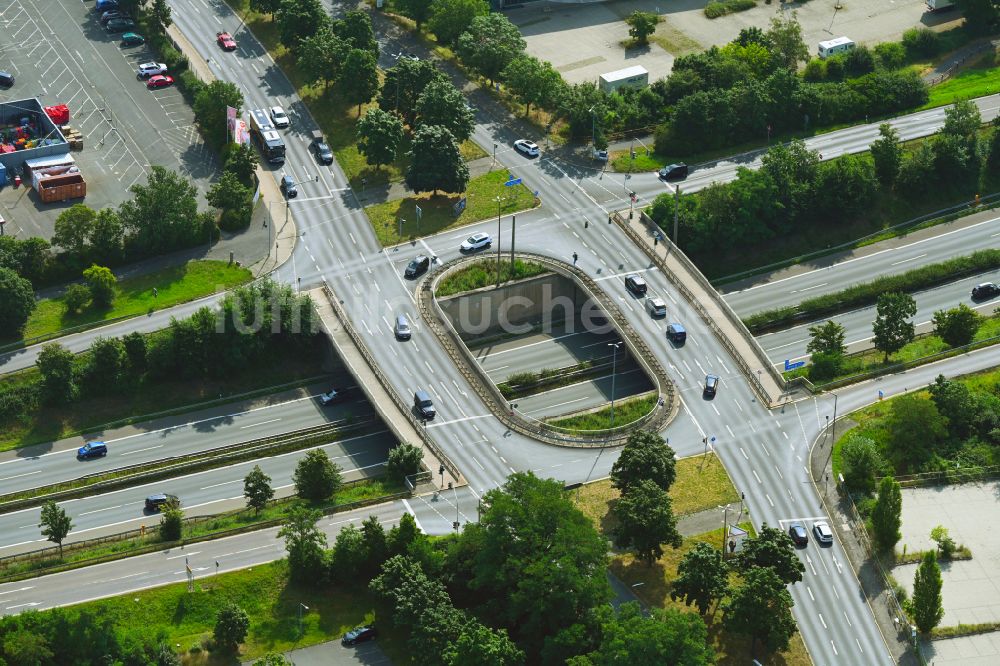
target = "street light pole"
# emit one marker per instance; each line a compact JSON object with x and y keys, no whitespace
{"x":513,"y":228}
{"x":301,"y":606}
{"x":499,"y":199}
{"x":677,"y":208}
{"x":614,"y":367}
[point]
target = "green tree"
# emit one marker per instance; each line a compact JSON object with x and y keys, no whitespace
{"x":478,"y":645}
{"x":490,"y":44}
{"x":772,"y":549}
{"x":107,"y":238}
{"x":981,"y":16}
{"x":76,"y":296}
{"x":159,"y":16}
{"x":665,"y":636}
{"x":886,"y":515}
{"x":702,"y":577}
{"x":23,"y":646}
{"x":450,"y":18}
{"x":914,"y":428}
{"x":55,"y":524}
{"x":892,"y":327}
{"x":403,"y":535}
{"x":316,"y":477}
{"x":443,"y":104}
{"x":826,"y":338}
{"x":103,"y":285}
{"x":171,"y":521}
{"x":957,"y":403}
{"x":946,"y":545}
{"x":304,"y":543}
{"x":108,"y":364}
{"x":957,"y":326}
{"x":210,"y":109}
{"x":55,"y":365}
{"x":761,"y":607}
{"x":418,"y":10}
{"x":862,"y":464}
{"x":230,"y":194}
{"x":242,"y":162}
{"x":963,"y":120}
{"x":135,"y":349}
{"x":926,"y":604}
{"x":890,"y":55}
{"x":355,"y":29}
{"x":231,"y":627}
{"x":347,"y":558}
{"x":887,"y":154}
{"x":436,"y":162}
{"x":163,"y":214}
{"x":405,"y":587}
{"x":404,"y":460}
{"x":404,"y":82}
{"x":17,"y":301}
{"x":533,"y":82}
{"x":362,"y":84}
{"x":825,"y":366}
{"x":73,"y":229}
{"x":785,"y":36}
{"x":321,"y":56}
{"x":273,"y":659}
{"x":379,"y":136}
{"x":641,"y":25}
{"x":266,"y":6}
{"x":257,"y":489}
{"x":376,"y":546}
{"x":300,"y":19}
{"x":993,"y":157}
{"x":645,"y":456}
{"x":645,"y":521}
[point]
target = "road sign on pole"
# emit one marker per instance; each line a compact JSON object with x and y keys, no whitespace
{"x":420,"y":212}
{"x":512,"y":182}
{"x":792,"y":366}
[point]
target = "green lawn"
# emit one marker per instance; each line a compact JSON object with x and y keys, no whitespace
{"x":484,"y":273}
{"x":983,"y":78}
{"x":176,"y":284}
{"x":438,"y":214}
{"x":626,"y":411}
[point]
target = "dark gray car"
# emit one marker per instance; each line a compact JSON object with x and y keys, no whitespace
{"x":424,"y":405}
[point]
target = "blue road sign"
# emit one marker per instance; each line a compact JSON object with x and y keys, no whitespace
{"x":512,"y":182}
{"x":792,"y":366}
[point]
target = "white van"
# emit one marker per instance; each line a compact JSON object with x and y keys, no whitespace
{"x":834,"y":46}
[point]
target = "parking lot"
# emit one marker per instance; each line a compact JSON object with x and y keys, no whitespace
{"x":59,"y":52}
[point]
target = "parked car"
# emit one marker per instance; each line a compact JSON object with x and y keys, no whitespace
{"x":985,"y":290}
{"x":159,"y":81}
{"x":105,"y":5}
{"x":333,"y":396}
{"x":288,"y":187}
{"x":226,"y":41}
{"x":417,"y":266}
{"x":148,"y":69}
{"x":92,"y":450}
{"x":156,"y":502}
{"x":6,"y":79}
{"x":322,"y":150}
{"x":402,"y":328}
{"x":528,"y":148}
{"x":119,"y":25}
{"x":656,"y":307}
{"x":798,"y":533}
{"x":279,"y":117}
{"x":114,"y":13}
{"x":476,"y":242}
{"x":601,"y":155}
{"x":635,"y":284}
{"x":359,"y":635}
{"x":823,"y":532}
{"x":711,"y":385}
{"x":424,"y":405}
{"x":132,"y":39}
{"x":674,"y":172}
{"x":676,"y":334}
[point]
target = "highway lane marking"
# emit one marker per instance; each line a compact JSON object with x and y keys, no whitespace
{"x":184,"y":555}
{"x":17,"y":476}
{"x":756,"y":477}
{"x":651,"y":269}
{"x":467,"y":418}
{"x":540,"y":342}
{"x":561,"y":404}
{"x":148,"y":448}
{"x":815,"y":286}
{"x":30,"y":603}
{"x":903,"y":261}
{"x":730,"y":431}
{"x":868,"y":256}
{"x":226,"y":483}
{"x":107,"y":508}
{"x":744,"y":453}
{"x":769,"y":500}
{"x":254,"y":425}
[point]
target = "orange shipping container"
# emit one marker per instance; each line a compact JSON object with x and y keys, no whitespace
{"x":60,"y":188}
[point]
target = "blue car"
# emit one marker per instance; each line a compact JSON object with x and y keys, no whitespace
{"x":92,"y":450}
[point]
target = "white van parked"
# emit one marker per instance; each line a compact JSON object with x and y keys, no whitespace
{"x":834,"y":46}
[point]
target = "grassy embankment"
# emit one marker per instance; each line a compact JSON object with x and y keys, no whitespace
{"x":484,"y":274}
{"x":626,"y":411}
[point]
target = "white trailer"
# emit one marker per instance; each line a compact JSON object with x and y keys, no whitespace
{"x":630,"y":77}
{"x":834,"y":46}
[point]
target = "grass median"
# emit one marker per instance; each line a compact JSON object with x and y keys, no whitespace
{"x":174,"y":284}
{"x":625,"y":411}
{"x":484,"y":274}
{"x":396,"y":221}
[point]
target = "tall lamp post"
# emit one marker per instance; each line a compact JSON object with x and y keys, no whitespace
{"x":593,"y":130}
{"x":614,"y":367}
{"x":499,"y":201}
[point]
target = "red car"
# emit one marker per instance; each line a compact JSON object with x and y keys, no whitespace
{"x":226,"y":41}
{"x":159,"y":82}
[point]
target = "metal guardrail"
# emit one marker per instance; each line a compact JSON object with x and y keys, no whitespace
{"x":163,"y":467}
{"x":745,"y":368}
{"x":436,"y":319}
{"x":359,"y":343}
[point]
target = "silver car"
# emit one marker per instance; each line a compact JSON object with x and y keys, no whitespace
{"x":823,"y":532}
{"x":656,"y":307}
{"x":402,"y":328}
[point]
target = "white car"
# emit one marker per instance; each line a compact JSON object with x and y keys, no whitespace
{"x":823,"y":532}
{"x":279,"y":117}
{"x":148,"y":69}
{"x":476,"y":242}
{"x":529,"y":148}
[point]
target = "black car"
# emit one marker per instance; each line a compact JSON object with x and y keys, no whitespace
{"x":418,"y":266}
{"x":108,"y":15}
{"x":985,"y":290}
{"x":92,"y":450}
{"x":635,"y":284}
{"x":288,"y":187}
{"x":6,"y":79}
{"x":359,"y":635}
{"x":711,"y":385}
{"x":424,"y":405}
{"x":156,"y":502}
{"x":798,"y":534}
{"x":322,"y":151}
{"x":120,"y":25}
{"x":674,"y":172}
